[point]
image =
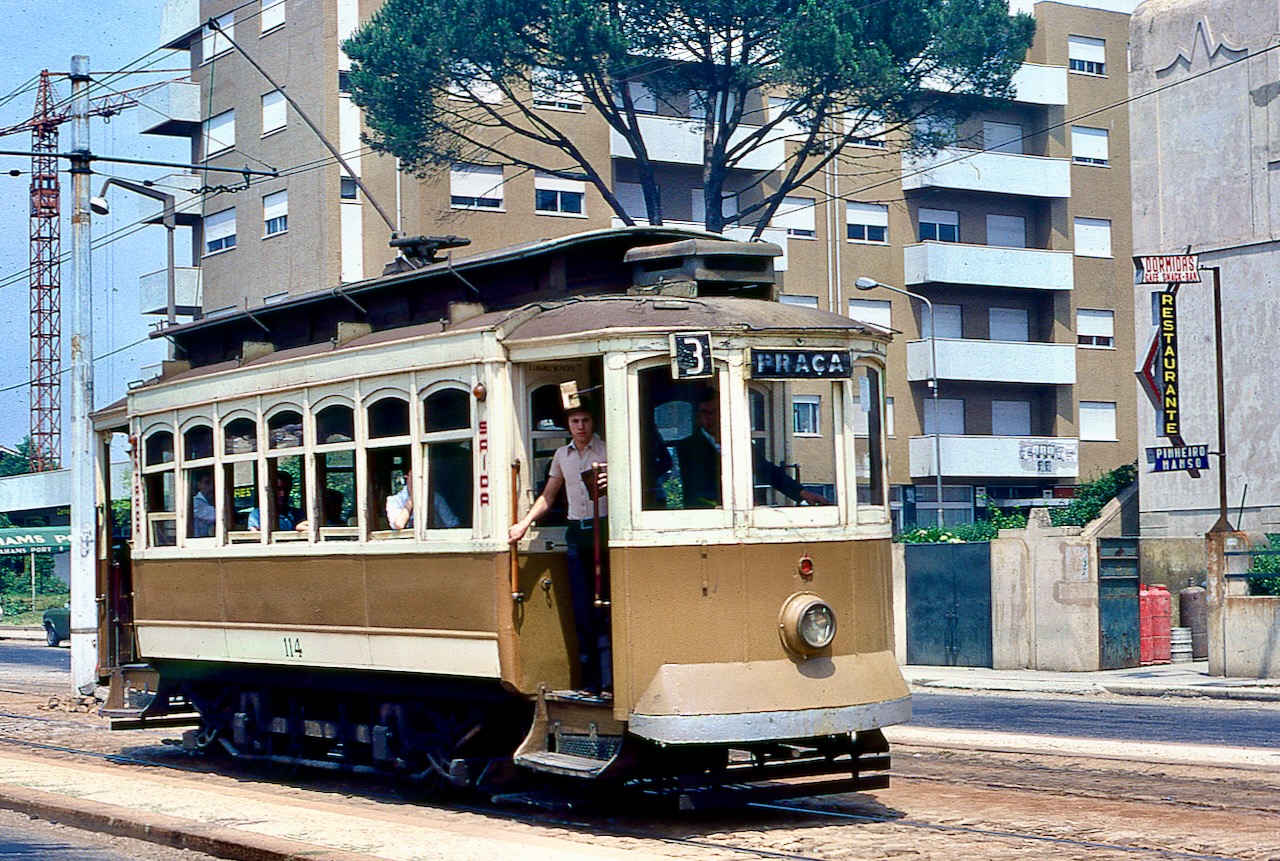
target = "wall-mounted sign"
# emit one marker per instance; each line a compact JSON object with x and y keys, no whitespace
{"x":1167,"y":269}
{"x":1177,"y":458}
{"x":801,"y":364}
{"x":1045,"y":456}
{"x":691,"y":355}
{"x":1167,"y":356}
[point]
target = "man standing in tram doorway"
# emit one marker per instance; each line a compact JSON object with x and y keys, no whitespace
{"x":581,"y":461}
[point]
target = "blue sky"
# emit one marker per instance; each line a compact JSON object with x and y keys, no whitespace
{"x":43,"y":34}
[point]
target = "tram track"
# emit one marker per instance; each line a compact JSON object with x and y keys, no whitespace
{"x":722,"y":834}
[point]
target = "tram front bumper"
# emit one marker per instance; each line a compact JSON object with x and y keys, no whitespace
{"x":771,"y":700}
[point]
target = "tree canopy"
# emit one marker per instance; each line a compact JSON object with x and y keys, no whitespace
{"x":467,"y":81}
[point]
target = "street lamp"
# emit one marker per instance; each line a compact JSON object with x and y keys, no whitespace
{"x":169,"y":219}
{"x":871,"y":284}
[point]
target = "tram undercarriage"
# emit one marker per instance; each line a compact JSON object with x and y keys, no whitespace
{"x":435,"y":738}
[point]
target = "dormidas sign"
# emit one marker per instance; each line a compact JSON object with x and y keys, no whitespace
{"x":1167,"y":269}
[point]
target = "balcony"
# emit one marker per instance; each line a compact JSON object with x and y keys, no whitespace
{"x":187,"y":204}
{"x":994,"y":172}
{"x":179,"y":21}
{"x":1040,"y":85}
{"x":988,"y":266}
{"x":997,"y":457}
{"x":172,"y":109}
{"x":154,"y":291}
{"x":676,"y":140}
{"x":994,"y":361}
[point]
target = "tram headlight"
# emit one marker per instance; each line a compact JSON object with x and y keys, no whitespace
{"x":807,"y":624}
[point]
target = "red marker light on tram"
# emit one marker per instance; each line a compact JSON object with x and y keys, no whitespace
{"x":805,"y":567}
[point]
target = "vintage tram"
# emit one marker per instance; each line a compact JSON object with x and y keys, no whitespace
{"x":265,"y":590}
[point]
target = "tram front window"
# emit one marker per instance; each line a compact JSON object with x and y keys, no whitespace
{"x":683,"y":424}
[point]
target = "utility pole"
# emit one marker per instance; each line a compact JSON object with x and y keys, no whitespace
{"x":84,"y":520}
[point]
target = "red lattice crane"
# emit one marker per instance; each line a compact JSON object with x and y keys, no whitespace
{"x":46,"y":253}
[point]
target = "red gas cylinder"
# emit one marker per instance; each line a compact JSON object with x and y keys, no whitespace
{"x":1155,"y":610}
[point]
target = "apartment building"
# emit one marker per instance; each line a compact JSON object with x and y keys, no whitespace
{"x":1018,"y":234}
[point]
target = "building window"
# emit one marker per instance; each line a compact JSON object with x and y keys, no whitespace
{"x":795,"y":215}
{"x":1086,"y":55}
{"x":219,"y":133}
{"x":1093,"y":237}
{"x":479,"y":88}
{"x":1011,"y":418}
{"x":1002,"y":137}
{"x":866,"y":129}
{"x":940,"y":225}
{"x":952,"y":412}
{"x":275,"y":213}
{"x":643,"y":99}
{"x":1095,"y":328}
{"x":272,"y":15}
{"x":475,"y":186}
{"x":552,"y":89}
{"x":946,"y":321}
{"x":556,"y":196}
{"x":798,"y":300}
{"x":698,"y":206}
{"x":273,"y":112}
{"x":866,"y":222}
{"x":700,"y":104}
{"x":873,"y":311}
{"x":631,"y":196}
{"x":806,"y":412}
{"x":220,"y":231}
{"x":1009,"y":324}
{"x":347,"y":188}
{"x":1098,"y":421}
{"x":1007,"y":231}
{"x":1089,"y":146}
{"x":213,"y":42}
{"x":889,"y":417}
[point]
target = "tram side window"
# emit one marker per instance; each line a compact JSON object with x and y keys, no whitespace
{"x":158,"y":488}
{"x":287,"y":519}
{"x":448,"y":458}
{"x":240,"y":485}
{"x":388,"y":459}
{"x":241,"y":436}
{"x":336,"y":473}
{"x":869,"y":465}
{"x":202,"y":501}
{"x":548,"y":434}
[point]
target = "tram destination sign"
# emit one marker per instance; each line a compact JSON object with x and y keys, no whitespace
{"x":1177,"y":458}
{"x":1167,"y":269}
{"x":801,"y":364}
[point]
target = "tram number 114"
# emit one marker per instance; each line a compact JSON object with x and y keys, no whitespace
{"x":292,"y":647}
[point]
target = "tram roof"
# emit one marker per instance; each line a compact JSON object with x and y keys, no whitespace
{"x":582,"y":264}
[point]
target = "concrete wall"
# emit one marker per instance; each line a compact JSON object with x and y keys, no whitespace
{"x":1250,"y":636}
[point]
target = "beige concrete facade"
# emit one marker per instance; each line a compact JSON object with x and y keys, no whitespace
{"x":1009,"y":412}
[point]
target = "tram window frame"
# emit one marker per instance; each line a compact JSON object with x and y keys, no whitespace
{"x":231,"y":462}
{"x":159,"y":478}
{"x":641,"y":459}
{"x":285,"y":441}
{"x":869,"y":440}
{"x":320,"y":453}
{"x":386,"y":448}
{"x":546,"y":426}
{"x":439,"y":440}
{"x":197,"y":461}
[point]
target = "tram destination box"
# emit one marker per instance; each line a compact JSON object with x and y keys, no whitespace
{"x":811,"y":364}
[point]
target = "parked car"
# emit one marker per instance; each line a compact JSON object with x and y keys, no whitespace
{"x":57,"y":624}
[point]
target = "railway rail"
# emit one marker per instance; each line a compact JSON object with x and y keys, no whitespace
{"x":806,"y":831}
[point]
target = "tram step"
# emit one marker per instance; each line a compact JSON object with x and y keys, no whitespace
{"x":563,"y":763}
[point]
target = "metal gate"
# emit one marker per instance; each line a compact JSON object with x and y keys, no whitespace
{"x":1117,"y":603}
{"x":949,"y":604}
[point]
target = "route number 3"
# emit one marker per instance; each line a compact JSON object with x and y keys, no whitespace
{"x":691,"y":355}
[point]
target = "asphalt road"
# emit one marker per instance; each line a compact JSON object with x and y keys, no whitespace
{"x":1147,"y":719}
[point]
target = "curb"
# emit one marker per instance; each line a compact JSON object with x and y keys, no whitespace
{"x":162,"y":830}
{"x":1238,"y":694}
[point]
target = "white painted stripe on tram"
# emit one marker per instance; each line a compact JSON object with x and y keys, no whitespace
{"x":453,"y":653}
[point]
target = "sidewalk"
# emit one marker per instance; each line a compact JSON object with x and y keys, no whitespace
{"x":1162,"y":680}
{"x":20,"y":632}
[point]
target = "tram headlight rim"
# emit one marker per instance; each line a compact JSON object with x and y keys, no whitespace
{"x":792,"y":628}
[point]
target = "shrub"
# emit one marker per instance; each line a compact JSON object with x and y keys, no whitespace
{"x":1093,"y":495}
{"x":1268,"y":565}
{"x":960,"y":533}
